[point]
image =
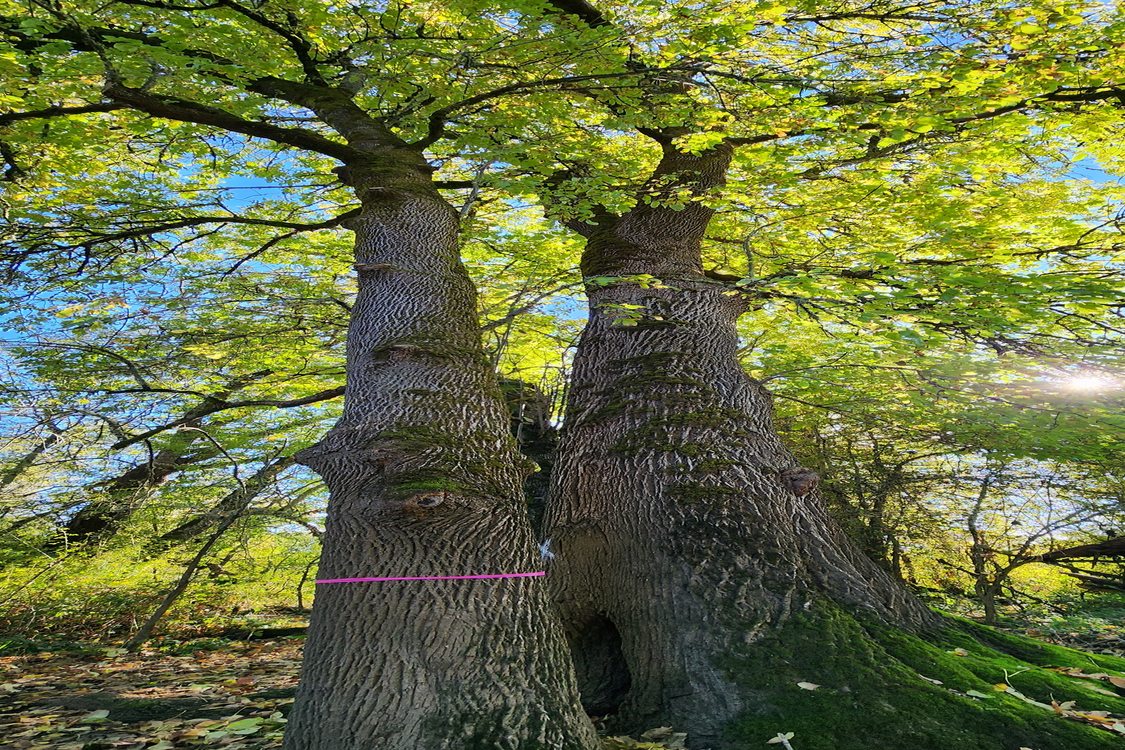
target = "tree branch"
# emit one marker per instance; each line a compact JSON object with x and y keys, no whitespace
{"x":582,"y":10}
{"x":48,"y":112}
{"x":194,"y":221}
{"x":215,"y":405}
{"x":172,"y":108}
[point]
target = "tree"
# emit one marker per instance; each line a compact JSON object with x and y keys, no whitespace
{"x":670,"y":472}
{"x":1022,"y":513}
{"x":422,"y":470}
{"x":224,"y":516}
{"x":685,"y":532}
{"x":671,"y":457}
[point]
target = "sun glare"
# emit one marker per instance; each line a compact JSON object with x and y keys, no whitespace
{"x":1090,"y":383}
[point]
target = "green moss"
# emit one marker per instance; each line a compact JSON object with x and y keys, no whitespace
{"x":456,"y":462}
{"x":1038,"y":652}
{"x":873,"y":694}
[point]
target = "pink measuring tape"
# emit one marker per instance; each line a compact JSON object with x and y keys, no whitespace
{"x":535,"y":574}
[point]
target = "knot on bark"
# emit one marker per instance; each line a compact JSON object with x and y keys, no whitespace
{"x":799,"y":480}
{"x":425,"y":500}
{"x":312,"y":457}
{"x":398,"y":352}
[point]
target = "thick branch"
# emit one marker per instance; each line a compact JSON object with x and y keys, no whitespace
{"x":172,"y":108}
{"x":582,"y":10}
{"x":1109,"y":548}
{"x":337,"y":109}
{"x":49,"y":112}
{"x":215,"y":405}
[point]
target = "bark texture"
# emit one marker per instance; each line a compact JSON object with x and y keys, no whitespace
{"x":425,"y":480}
{"x":684,"y":530}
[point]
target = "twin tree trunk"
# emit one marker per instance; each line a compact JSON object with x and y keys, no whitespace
{"x":683,"y":529}
{"x":425,"y":481}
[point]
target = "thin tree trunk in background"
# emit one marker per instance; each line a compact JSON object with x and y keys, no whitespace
{"x":301,"y":585}
{"x":683,"y":528}
{"x":536,"y":438}
{"x":425,"y":480}
{"x":979,"y":555}
{"x":245,"y":496}
{"x":255,"y":483}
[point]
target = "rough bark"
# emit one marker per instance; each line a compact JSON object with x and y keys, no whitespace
{"x":425,"y":480}
{"x":684,"y":530}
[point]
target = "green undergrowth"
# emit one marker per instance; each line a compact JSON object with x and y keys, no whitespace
{"x":1093,"y":622}
{"x":867,"y":687}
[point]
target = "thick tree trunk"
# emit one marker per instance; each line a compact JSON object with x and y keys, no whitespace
{"x":684,"y":530}
{"x":425,"y":481}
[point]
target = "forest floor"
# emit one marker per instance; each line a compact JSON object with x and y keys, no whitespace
{"x":235,"y":697}
{"x":226,"y":693}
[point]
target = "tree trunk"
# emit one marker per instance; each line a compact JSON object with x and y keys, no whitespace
{"x":986,"y":591}
{"x":536,"y":438}
{"x":980,"y":554}
{"x":425,"y":480}
{"x":683,"y":529}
